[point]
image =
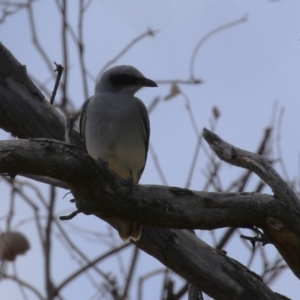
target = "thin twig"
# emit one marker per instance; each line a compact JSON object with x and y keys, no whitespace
{"x":59,"y":69}
{"x":25,"y":284}
{"x":35,"y":38}
{"x":193,"y":162}
{"x":10,"y":9}
{"x":11,"y":212}
{"x":181,"y":291}
{"x":278,"y":137}
{"x":70,"y":216}
{"x":72,"y":247}
{"x":90,"y":264}
{"x":146,"y":277}
{"x":131,"y":271}
{"x":157,"y":165}
{"x":65,"y":52}
{"x":21,"y":287}
{"x":149,"y":32}
{"x":207,"y":36}
{"x":199,"y":139}
{"x":48,"y":245}
{"x":192,"y":81}
{"x":80,"y":46}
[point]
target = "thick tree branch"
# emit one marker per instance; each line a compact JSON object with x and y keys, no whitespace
{"x":98,"y":191}
{"x":25,"y":113}
{"x":161,"y":206}
{"x":259,"y":165}
{"x":284,"y":235}
{"x":208,"y":269}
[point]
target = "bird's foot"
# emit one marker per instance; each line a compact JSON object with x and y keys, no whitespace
{"x":103,"y":162}
{"x":129,"y":185}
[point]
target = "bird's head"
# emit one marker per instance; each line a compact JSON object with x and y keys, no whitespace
{"x":123,"y":79}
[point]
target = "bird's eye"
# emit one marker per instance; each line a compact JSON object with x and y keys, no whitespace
{"x":120,"y":80}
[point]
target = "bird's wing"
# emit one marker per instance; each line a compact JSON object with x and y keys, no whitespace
{"x":146,"y":124}
{"x":82,"y":121}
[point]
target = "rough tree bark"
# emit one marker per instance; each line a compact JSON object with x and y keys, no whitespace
{"x":26,"y":114}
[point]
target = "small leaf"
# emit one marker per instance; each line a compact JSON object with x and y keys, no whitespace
{"x":12,"y":244}
{"x":175,"y":90}
{"x":216,"y":112}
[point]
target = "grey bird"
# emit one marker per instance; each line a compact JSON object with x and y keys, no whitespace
{"x":116,"y":128}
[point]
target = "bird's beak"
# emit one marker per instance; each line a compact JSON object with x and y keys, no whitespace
{"x":148,"y":82}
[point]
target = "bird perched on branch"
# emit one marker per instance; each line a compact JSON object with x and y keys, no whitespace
{"x":116,"y":128}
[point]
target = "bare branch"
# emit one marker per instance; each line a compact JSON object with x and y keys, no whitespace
{"x":25,"y":284}
{"x":88,"y":265}
{"x":131,"y":271}
{"x":149,"y":32}
{"x":258,"y":165}
{"x":48,"y":246}
{"x":59,"y":69}
{"x":206,"y":37}
{"x":35,"y":39}
{"x":20,"y":98}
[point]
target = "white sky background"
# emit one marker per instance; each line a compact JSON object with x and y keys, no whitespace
{"x":245,"y":70}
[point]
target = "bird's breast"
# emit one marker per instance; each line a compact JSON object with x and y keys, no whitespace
{"x":114,"y":132}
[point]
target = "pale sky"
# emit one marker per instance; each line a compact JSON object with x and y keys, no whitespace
{"x":245,"y":69}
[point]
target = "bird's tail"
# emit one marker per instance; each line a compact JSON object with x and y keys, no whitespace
{"x":129,"y":230}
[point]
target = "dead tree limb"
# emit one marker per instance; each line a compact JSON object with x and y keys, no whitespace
{"x":26,"y":114}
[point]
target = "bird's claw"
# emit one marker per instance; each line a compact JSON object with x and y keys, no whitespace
{"x":128,"y":183}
